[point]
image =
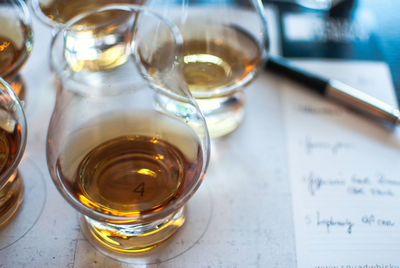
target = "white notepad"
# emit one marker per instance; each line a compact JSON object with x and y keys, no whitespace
{"x":345,"y":173}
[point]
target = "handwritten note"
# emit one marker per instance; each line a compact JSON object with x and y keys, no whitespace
{"x":345,"y":174}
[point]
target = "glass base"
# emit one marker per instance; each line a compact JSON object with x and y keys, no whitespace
{"x":26,"y":213}
{"x":131,"y":238}
{"x":198,"y":217}
{"x":11,"y":198}
{"x":223,"y":115}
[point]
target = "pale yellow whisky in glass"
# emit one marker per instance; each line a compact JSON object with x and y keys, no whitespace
{"x":217,"y":63}
{"x":212,"y":65}
{"x":60,"y":11}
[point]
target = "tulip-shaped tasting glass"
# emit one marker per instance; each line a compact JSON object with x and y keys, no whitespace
{"x":127,"y":166}
{"x":16,"y":39}
{"x":224,"y":46}
{"x":12,"y":146}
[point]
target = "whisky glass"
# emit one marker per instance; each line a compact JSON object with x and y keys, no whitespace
{"x":224,"y":45}
{"x":12,"y":145}
{"x":126,"y":165}
{"x":56,"y":13}
{"x":16,"y":39}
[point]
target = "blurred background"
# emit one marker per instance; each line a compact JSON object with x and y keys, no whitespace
{"x":341,"y":29}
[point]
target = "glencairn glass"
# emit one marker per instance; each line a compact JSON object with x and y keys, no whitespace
{"x":16,"y":39}
{"x":224,"y":45}
{"x":120,"y":160}
{"x":12,"y":145}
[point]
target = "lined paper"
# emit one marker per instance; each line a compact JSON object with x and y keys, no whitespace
{"x":345,"y":173}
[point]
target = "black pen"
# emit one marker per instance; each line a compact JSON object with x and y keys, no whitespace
{"x":338,"y":91}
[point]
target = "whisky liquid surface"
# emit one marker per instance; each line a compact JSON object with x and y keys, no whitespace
{"x":61,"y":11}
{"x":15,"y":44}
{"x":212,"y":61}
{"x":128,"y":166}
{"x":134,"y":174}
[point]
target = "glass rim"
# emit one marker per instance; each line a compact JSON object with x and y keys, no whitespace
{"x":21,"y":148}
{"x":25,"y":16}
{"x":205,"y":141}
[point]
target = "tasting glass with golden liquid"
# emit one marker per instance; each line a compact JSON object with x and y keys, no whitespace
{"x":120,"y":160}
{"x":16,"y":39}
{"x":12,"y":145}
{"x":56,"y":13}
{"x":224,"y":45}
